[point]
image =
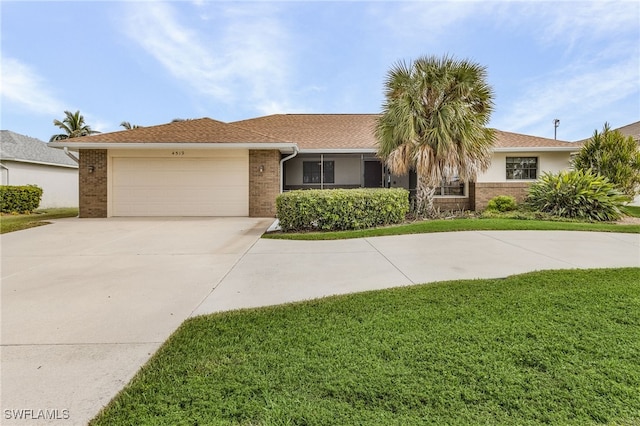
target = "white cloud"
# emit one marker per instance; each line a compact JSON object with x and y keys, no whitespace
{"x":575,"y":22}
{"x":423,"y":19}
{"x":598,"y":43}
{"x":177,"y":48}
{"x":571,"y":94}
{"x":22,"y":86}
{"x":243,"y":50}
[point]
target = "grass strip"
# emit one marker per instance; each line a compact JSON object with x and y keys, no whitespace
{"x":12,"y":223}
{"x":554,"y":347}
{"x":452,"y":225}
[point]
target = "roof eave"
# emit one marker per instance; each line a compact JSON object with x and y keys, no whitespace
{"x":339,"y":151}
{"x":41,"y":163}
{"x":538,"y":149}
{"x":282,"y":147}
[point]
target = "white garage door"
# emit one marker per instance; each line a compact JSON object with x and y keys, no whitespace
{"x":202,"y":186}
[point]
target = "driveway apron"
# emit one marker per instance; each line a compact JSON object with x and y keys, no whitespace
{"x":86,"y":302}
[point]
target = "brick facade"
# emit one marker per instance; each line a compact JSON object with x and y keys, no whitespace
{"x":92,"y":174}
{"x":452,"y":204}
{"x":264,"y":186}
{"x":485,"y":191}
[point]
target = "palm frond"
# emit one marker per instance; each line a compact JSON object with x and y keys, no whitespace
{"x":434,"y":119}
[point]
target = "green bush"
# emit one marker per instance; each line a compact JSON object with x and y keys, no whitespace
{"x":502,"y":203}
{"x":19,"y":199}
{"x":577,"y":194}
{"x":614,"y":156}
{"x":341,"y":209}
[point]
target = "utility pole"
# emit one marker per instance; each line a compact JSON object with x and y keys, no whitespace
{"x":556,"y":123}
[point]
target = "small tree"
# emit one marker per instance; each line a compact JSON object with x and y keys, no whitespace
{"x":73,"y":126}
{"x":614,"y":156}
{"x":129,"y":126}
{"x":433,"y":122}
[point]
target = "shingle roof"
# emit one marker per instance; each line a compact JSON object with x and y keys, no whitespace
{"x":518,"y":140}
{"x":308,"y":131}
{"x":14,"y":146}
{"x":318,"y":131}
{"x":632,"y":129}
{"x":201,"y":130}
{"x":356,"y":131}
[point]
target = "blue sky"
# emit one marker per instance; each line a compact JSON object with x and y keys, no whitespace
{"x":150,"y":62}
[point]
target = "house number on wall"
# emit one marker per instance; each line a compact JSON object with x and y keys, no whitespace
{"x":177,"y":153}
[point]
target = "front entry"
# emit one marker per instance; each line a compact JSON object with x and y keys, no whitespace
{"x":372,"y":174}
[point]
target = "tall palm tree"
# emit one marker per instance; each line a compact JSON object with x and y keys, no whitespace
{"x":433,"y":122}
{"x":129,"y":126}
{"x":73,"y":126}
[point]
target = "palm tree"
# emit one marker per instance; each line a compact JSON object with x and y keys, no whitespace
{"x":73,"y":126}
{"x":129,"y":126}
{"x":433,"y":122}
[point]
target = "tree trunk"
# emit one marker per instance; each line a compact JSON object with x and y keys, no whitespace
{"x":424,"y":207}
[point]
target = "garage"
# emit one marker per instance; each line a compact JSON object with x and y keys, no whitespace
{"x":181,"y":183}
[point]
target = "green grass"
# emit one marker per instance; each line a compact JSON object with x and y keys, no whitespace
{"x":450,"y":225}
{"x":12,"y":223}
{"x":632,"y":211}
{"x":555,"y":347}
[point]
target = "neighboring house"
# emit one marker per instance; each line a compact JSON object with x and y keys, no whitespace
{"x":204,"y":167}
{"x":632,"y":129}
{"x":29,"y":161}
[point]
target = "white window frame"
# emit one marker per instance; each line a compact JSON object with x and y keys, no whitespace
{"x":519,"y":173}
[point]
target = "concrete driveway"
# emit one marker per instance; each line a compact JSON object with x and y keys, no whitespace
{"x":86,"y":302}
{"x":281,"y":271}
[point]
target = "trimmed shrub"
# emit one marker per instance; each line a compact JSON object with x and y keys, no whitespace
{"x":577,"y":194}
{"x":341,"y":209}
{"x":19,"y":199}
{"x":502,"y":203}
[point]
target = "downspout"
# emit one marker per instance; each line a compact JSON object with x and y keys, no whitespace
{"x":321,"y":171}
{"x":70,"y":155}
{"x":7,"y":169}
{"x":295,"y":152}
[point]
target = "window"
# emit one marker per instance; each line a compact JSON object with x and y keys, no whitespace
{"x":522,"y":168}
{"x":311,"y":171}
{"x":453,"y":188}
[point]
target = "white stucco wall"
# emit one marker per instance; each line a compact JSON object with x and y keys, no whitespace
{"x":547,"y":162}
{"x":59,"y":184}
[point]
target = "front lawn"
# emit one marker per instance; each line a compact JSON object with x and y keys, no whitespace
{"x":450,"y":225}
{"x":11,"y":223}
{"x":555,"y":347}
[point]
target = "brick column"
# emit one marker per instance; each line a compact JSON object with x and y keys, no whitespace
{"x":264,"y":182}
{"x":92,"y":175}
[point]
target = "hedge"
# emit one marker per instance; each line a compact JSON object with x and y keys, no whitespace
{"x":341,"y":209}
{"x":19,"y":199}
